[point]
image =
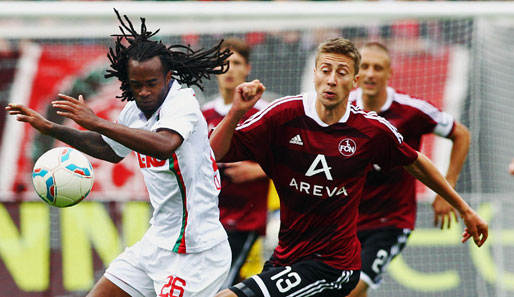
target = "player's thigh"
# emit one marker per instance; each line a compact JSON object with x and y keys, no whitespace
{"x":194,"y":274}
{"x":308,"y":278}
{"x":379,"y":247}
{"x":128,"y":273}
{"x":105,"y":287}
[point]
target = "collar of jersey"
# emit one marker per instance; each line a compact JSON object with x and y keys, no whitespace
{"x":220,"y":107}
{"x":387,"y":104}
{"x":309,"y":105}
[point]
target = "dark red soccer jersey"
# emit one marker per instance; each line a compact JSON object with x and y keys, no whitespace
{"x":389,"y":196}
{"x":319,"y":173}
{"x":243,"y":206}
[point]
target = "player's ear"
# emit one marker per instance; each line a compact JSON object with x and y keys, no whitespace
{"x":168,"y":77}
{"x":355,"y":81}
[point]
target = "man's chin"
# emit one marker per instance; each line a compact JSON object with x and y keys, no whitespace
{"x":369,"y":92}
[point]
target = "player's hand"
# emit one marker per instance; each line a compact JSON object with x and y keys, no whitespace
{"x":28,"y":115}
{"x":244,"y":171}
{"x":443,"y":212}
{"x":476,"y":227}
{"x":246,"y":95}
{"x":511,"y":167}
{"x":76,"y":110}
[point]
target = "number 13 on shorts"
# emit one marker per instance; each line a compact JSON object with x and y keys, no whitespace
{"x":288,"y":282}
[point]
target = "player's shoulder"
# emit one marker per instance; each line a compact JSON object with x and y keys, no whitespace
{"x":409,"y":102}
{"x":181,"y":99}
{"x":278,"y":111}
{"x":283,"y":104}
{"x":372,"y":123}
{"x":129,"y":113}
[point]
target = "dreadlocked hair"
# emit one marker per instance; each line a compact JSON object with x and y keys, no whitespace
{"x":186,"y":65}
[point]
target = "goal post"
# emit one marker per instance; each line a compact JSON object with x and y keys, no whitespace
{"x":457,"y":55}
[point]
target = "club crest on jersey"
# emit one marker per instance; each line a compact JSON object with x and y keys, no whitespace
{"x":347,"y":147}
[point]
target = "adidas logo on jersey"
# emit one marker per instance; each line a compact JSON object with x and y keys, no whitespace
{"x":296,"y":140}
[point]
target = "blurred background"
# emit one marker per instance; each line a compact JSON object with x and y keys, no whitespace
{"x":457,"y":55}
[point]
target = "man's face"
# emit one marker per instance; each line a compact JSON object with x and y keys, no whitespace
{"x":374,"y":71}
{"x":334,"y":78}
{"x":236,"y":74}
{"x":148,"y":83}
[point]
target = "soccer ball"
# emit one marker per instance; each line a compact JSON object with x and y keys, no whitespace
{"x":62,"y":177}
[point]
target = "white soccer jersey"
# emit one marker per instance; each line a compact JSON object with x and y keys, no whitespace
{"x":184,"y":189}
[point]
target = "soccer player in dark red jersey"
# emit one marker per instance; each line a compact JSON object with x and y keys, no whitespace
{"x":387,"y":211}
{"x":318,"y":149}
{"x":244,"y":185}
{"x":511,"y":167}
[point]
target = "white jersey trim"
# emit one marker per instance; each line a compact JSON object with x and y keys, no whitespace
{"x":373,"y":116}
{"x":219,"y":106}
{"x":257,"y":116}
{"x":445,"y":121}
{"x":310,"y":109}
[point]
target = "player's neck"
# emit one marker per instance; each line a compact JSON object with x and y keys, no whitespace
{"x":227,"y":95}
{"x":374,"y":103}
{"x":331,"y":115}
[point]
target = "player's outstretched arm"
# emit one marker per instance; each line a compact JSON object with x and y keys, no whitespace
{"x":161,"y":144}
{"x":246,"y":95}
{"x":460,"y":138}
{"x":88,"y":142}
{"x":427,"y":173}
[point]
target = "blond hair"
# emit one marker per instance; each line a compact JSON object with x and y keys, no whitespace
{"x":340,"y":46}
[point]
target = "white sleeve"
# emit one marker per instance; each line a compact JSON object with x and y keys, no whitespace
{"x":181,"y":114}
{"x":444,"y":125}
{"x":118,"y":148}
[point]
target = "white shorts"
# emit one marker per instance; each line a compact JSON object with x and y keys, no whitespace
{"x":145,"y":270}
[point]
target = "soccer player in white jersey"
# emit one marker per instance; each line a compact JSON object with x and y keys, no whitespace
{"x":318,"y":149}
{"x":387,"y":216}
{"x":185,"y":251}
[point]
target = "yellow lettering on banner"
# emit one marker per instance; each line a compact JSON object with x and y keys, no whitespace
{"x":254,"y":262}
{"x":434,"y":282}
{"x":82,"y":226}
{"x":26,"y":253}
{"x":482,"y":257}
{"x":273,"y":199}
{"x":136,"y":220}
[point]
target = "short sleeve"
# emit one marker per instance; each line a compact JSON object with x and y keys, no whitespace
{"x":181,"y":114}
{"x":393,"y":151}
{"x":118,"y":148}
{"x":252,"y":140}
{"x":445,"y":124}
